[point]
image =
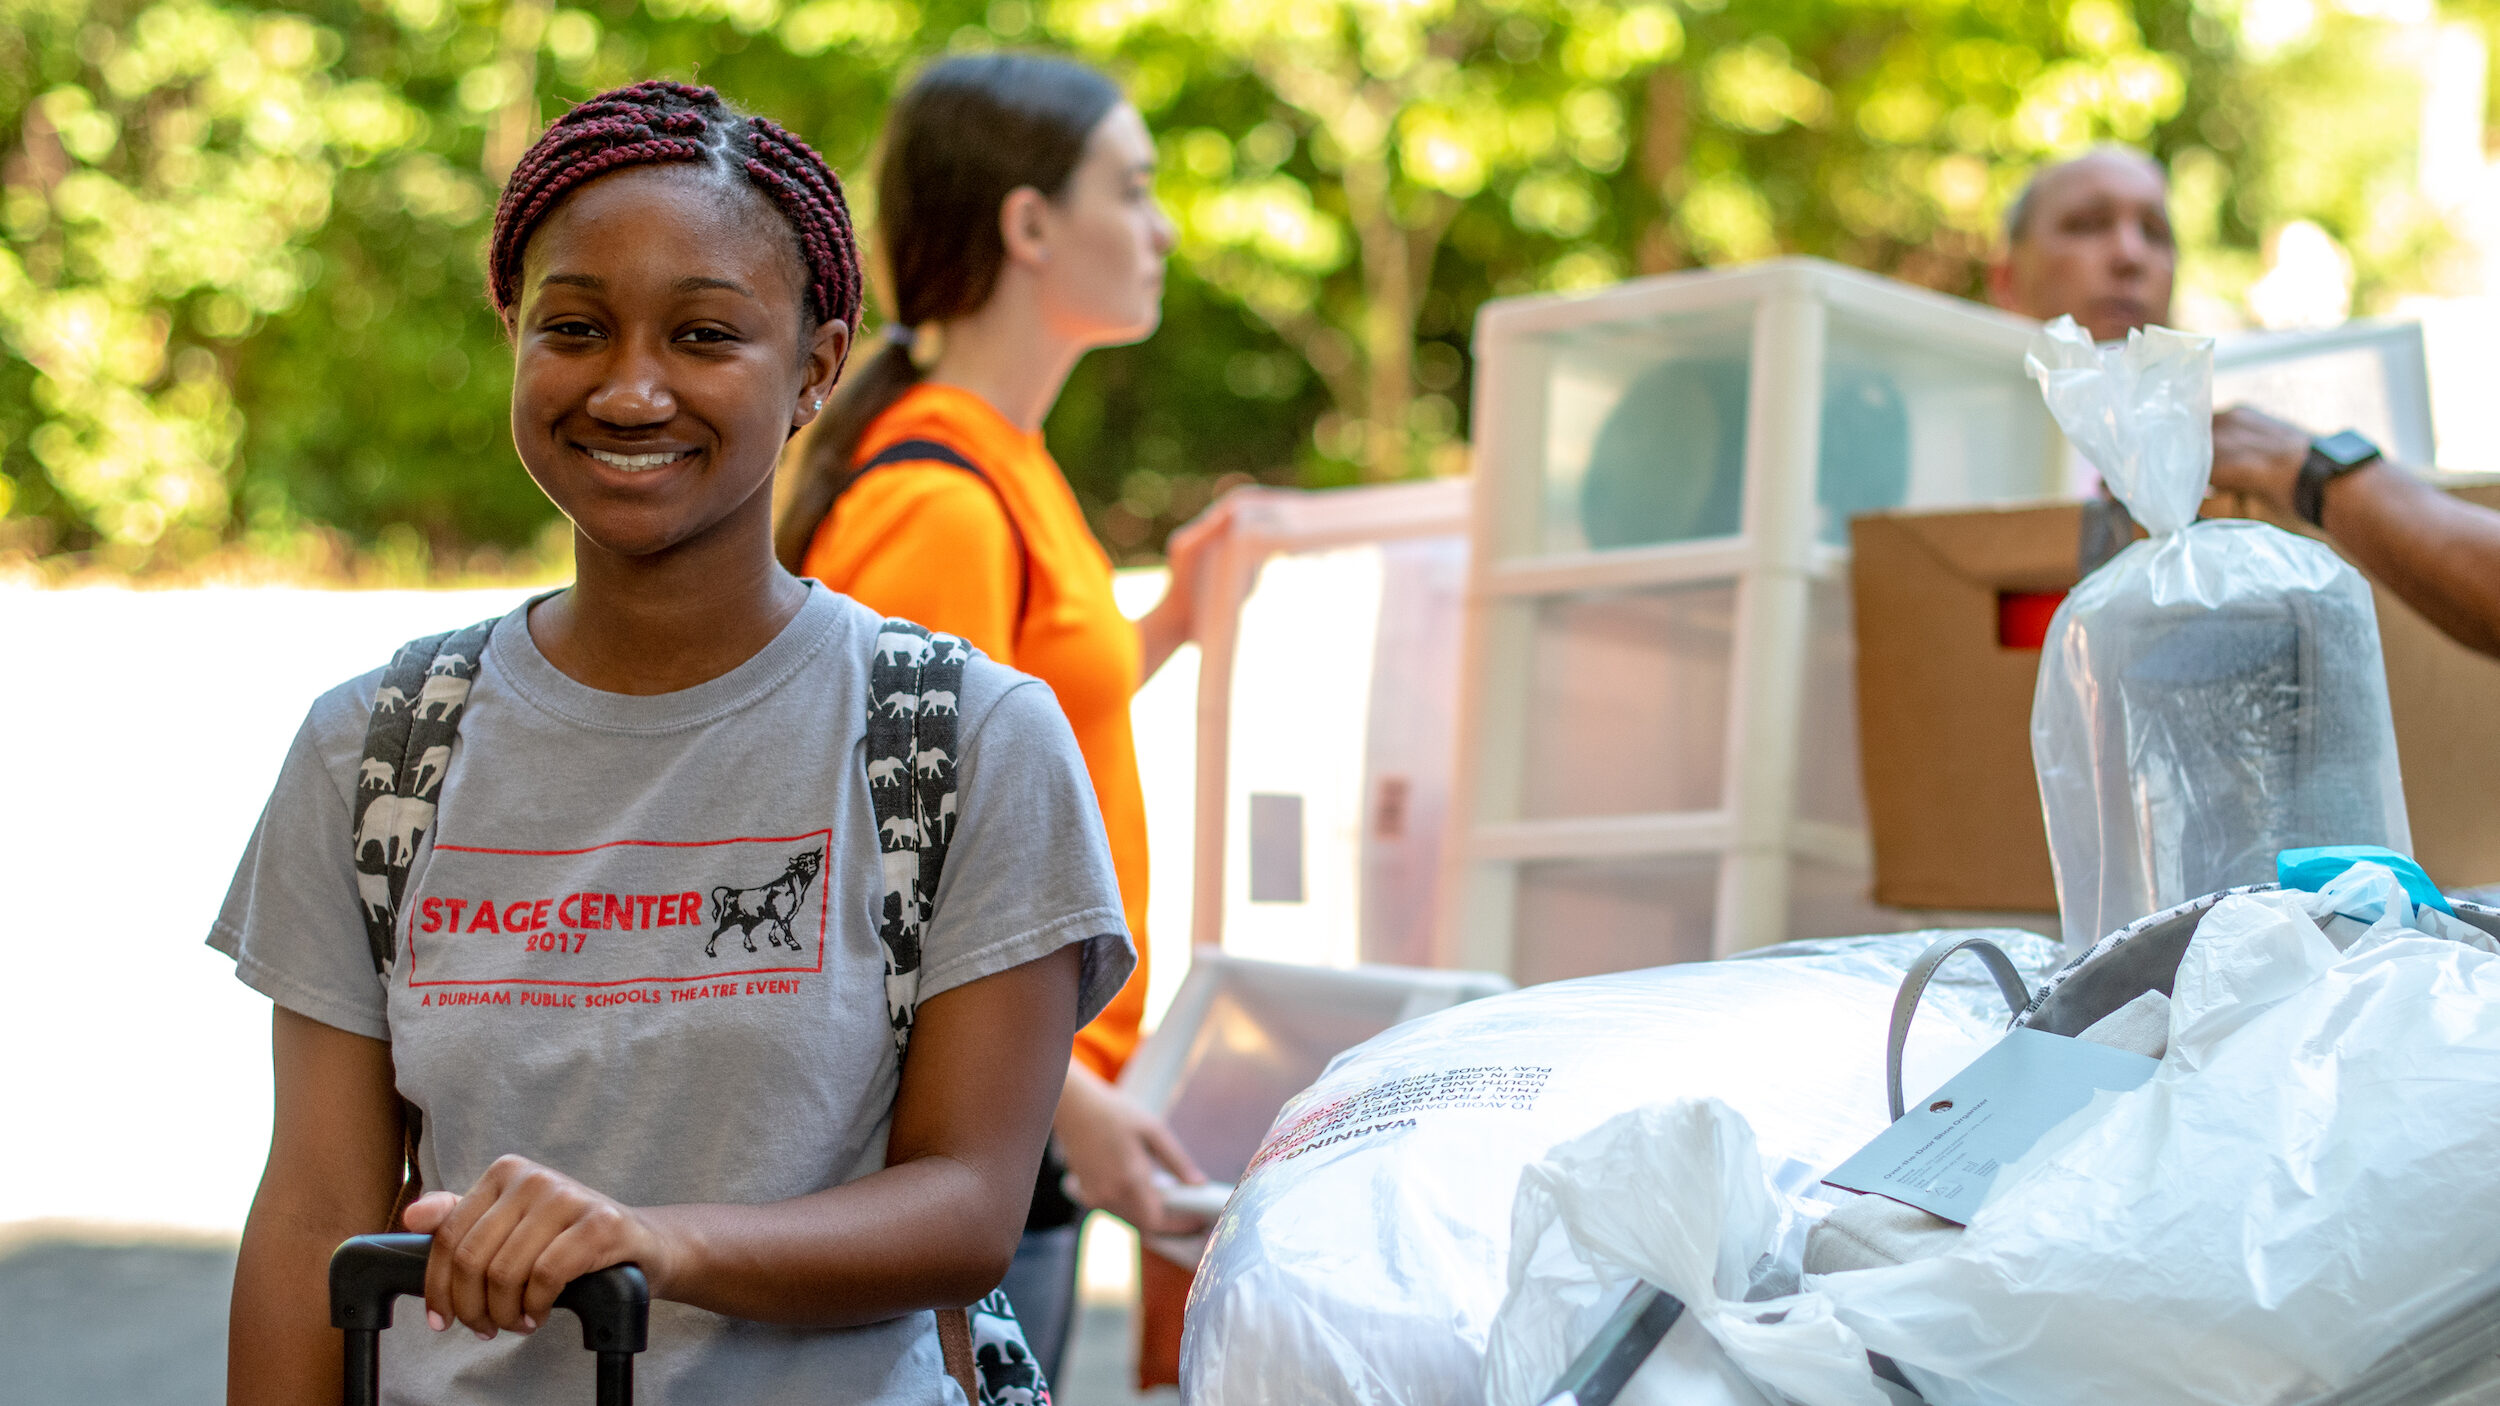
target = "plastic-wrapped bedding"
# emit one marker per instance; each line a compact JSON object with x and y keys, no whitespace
{"x":2303,"y":1187}
{"x":1366,"y":1252}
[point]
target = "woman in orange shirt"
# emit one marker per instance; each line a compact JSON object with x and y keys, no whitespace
{"x":1017,"y":218}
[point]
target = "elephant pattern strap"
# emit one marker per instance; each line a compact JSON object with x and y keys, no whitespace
{"x":914,"y":681}
{"x":915,"y":686}
{"x":408,"y":740}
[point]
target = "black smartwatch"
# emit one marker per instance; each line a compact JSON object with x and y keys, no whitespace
{"x":2329,"y":459}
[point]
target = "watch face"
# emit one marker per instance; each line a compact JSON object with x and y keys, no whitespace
{"x":2346,"y":448}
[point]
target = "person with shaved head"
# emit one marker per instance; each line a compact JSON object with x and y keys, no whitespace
{"x":2089,"y":238}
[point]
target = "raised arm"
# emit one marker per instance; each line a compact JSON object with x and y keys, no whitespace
{"x":334,"y":1166}
{"x":935,"y":1229}
{"x":2437,"y":552}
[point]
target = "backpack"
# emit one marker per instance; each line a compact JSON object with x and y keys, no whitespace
{"x":914,"y":681}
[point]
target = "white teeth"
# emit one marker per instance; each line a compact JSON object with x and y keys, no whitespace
{"x":636,"y":462}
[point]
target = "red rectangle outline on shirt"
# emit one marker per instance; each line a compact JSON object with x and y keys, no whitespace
{"x":824,"y":910}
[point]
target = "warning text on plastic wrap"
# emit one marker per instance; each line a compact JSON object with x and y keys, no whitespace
{"x":1391,"y":1105}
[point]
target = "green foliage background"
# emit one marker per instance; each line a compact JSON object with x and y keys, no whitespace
{"x":240,"y":285}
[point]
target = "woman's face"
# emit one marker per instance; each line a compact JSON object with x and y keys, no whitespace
{"x":659,"y":365}
{"x":1106,"y":239}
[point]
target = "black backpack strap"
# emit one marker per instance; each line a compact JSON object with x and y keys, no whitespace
{"x":930,"y":451}
{"x":914,"y":682}
{"x":922,"y":451}
{"x":416,"y":714}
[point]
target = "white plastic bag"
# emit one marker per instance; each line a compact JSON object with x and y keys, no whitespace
{"x":2303,"y":1183}
{"x":2367,"y":903}
{"x":1673,"y":1194}
{"x":1368,"y":1248}
{"x":2210,"y":696}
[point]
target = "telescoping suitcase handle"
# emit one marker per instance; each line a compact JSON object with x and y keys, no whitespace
{"x":369,"y":1273}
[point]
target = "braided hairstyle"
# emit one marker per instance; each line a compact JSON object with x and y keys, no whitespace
{"x":656,"y":122}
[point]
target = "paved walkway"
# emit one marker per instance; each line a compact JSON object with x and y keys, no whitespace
{"x":128,"y":1325}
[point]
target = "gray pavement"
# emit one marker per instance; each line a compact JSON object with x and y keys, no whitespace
{"x":113,"y":1324}
{"x":110,"y":1324}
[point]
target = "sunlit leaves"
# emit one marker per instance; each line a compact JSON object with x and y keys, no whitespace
{"x":572,"y":37}
{"x":1603,"y":47}
{"x":881,"y":26}
{"x":2066,"y":106}
{"x":2101,"y":27}
{"x":1272,"y":219}
{"x":1438,"y":150}
{"x":1389,"y":118}
{"x":432,"y":189}
{"x":747,"y":16}
{"x":1556,"y":203}
{"x":167,"y":202}
{"x":1593,"y":122}
{"x":239,"y":288}
{"x":1726,"y":220}
{"x":1754,"y":88}
{"x":83,"y":132}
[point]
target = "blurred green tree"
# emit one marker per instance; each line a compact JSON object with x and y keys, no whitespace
{"x":240,"y":285}
{"x":1341,"y":167}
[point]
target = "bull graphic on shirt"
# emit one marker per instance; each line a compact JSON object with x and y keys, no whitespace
{"x":768,"y":906}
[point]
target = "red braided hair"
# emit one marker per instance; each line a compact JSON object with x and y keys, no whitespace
{"x":658,"y":121}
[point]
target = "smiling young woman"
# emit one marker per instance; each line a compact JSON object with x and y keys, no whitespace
{"x":680,"y":287}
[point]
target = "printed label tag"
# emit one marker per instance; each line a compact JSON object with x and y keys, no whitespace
{"x":1945,"y":1153}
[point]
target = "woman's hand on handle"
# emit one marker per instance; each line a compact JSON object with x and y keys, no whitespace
{"x":506,"y":1249}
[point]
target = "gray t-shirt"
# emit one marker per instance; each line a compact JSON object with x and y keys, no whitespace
{"x":562,"y":993}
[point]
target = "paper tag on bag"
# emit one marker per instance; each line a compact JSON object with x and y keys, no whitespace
{"x":1946,"y":1152}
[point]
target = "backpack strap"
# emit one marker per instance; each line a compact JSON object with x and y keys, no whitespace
{"x":914,"y":681}
{"x":930,"y":451}
{"x":416,"y":714}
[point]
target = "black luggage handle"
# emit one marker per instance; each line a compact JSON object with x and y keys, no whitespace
{"x":370,"y":1272}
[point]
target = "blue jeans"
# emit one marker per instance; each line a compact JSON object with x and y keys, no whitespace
{"x":1042,"y":1286}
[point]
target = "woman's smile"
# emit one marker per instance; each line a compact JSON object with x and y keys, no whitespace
{"x":639,"y":463}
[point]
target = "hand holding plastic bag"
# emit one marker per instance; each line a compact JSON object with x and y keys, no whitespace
{"x":1673,"y":1194}
{"x":2207,"y":698}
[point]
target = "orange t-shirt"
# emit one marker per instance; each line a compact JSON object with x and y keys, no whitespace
{"x":929,"y":542}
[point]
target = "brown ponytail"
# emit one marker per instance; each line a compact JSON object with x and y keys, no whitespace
{"x":968,"y":133}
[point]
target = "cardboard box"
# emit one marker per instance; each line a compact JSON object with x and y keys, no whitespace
{"x":1944,"y":709}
